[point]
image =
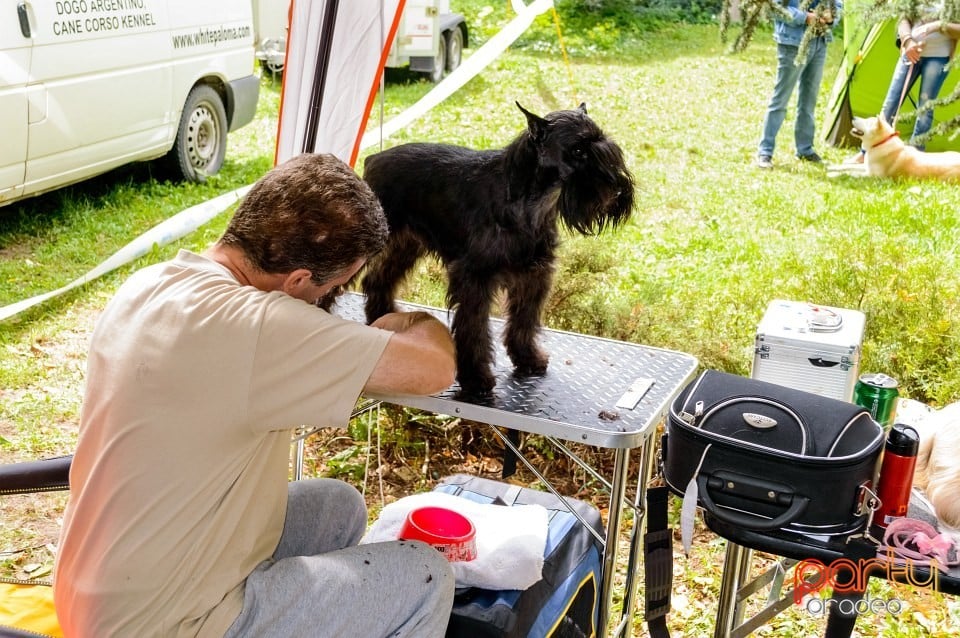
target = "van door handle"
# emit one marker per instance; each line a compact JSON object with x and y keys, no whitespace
{"x":24,"y":19}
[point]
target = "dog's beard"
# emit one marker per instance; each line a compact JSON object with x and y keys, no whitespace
{"x":588,"y":204}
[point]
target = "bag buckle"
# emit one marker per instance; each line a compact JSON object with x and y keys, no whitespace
{"x":867,"y":502}
{"x":691,"y":419}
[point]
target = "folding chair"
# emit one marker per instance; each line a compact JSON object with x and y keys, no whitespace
{"x":26,"y":606}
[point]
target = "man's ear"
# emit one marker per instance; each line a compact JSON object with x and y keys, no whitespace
{"x":296,"y":281}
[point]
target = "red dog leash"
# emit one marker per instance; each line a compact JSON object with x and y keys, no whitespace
{"x":903,"y":93}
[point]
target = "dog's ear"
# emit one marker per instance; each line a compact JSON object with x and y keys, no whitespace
{"x":536,"y":124}
{"x":582,"y":108}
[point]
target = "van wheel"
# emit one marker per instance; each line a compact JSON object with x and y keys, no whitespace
{"x":201,"y":140}
{"x":454,"y":40}
{"x":439,"y":64}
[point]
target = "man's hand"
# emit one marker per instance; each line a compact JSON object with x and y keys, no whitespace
{"x":403,"y":321}
{"x":418,"y":359}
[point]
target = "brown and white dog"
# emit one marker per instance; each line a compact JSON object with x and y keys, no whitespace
{"x":938,"y":462}
{"x":888,"y":156}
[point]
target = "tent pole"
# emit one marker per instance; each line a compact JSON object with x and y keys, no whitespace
{"x":323,"y":62}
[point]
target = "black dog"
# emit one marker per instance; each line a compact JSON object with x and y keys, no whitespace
{"x":492,"y":218}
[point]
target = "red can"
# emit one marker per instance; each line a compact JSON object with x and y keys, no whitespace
{"x":896,"y":473}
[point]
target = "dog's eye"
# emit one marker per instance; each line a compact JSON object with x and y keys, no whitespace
{"x":579,"y":151}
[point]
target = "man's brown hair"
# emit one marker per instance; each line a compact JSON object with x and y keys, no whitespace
{"x":312,"y":211}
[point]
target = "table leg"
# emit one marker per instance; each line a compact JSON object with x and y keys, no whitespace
{"x":729,"y":585}
{"x":740,"y":607}
{"x":298,"y":460}
{"x":636,"y":539}
{"x":618,"y":489}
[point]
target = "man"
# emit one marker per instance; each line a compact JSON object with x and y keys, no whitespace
{"x":181,"y":520}
{"x":798,"y":68}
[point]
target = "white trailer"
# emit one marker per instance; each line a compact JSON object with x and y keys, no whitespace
{"x":430,"y":38}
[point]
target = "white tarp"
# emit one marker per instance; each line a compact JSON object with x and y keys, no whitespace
{"x":336,"y":50}
{"x":348,"y":78}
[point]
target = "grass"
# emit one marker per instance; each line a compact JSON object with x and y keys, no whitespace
{"x":712,"y":241}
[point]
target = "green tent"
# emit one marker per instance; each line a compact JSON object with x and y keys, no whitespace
{"x":861,"y":84}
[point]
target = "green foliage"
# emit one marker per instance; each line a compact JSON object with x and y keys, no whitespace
{"x":348,"y":464}
{"x":592,"y":27}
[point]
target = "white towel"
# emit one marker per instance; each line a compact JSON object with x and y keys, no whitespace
{"x":510,"y":540}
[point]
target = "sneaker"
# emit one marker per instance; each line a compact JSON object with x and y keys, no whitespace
{"x":764,"y":161}
{"x":811,"y":157}
{"x":855,"y":159}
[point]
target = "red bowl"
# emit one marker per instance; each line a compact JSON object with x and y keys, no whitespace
{"x":451,"y":533}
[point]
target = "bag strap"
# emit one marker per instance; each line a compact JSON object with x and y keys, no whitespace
{"x":658,"y":562}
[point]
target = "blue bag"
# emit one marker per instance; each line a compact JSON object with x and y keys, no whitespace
{"x":564,"y":603}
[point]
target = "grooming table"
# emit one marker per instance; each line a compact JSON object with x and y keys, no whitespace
{"x":577,"y":400}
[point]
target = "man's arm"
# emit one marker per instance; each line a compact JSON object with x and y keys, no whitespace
{"x":418,"y":359}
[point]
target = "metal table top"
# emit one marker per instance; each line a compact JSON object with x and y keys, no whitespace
{"x":577,"y":398}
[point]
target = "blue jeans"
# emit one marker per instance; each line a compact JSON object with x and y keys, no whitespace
{"x":807,"y":76}
{"x":932,"y":73}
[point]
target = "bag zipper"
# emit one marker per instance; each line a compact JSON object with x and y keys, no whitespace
{"x":699,"y":417}
{"x":25,"y":632}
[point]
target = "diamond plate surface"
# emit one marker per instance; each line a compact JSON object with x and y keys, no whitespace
{"x":576,"y":399}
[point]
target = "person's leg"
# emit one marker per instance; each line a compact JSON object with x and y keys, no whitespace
{"x":811,"y":75}
{"x":319,"y":583}
{"x":787,"y":74}
{"x":903,"y":72}
{"x":400,"y":589}
{"x":323,"y":515}
{"x":932,"y":75}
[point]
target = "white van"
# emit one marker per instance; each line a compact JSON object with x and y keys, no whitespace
{"x":89,"y":85}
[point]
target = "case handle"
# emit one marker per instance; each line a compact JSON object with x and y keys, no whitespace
{"x":797,"y":504}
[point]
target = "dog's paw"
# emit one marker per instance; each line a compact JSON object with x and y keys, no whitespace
{"x":478,"y":397}
{"x":850,"y":170}
{"x":476,"y":386}
{"x":533,"y":365}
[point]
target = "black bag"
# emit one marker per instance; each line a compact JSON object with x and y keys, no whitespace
{"x":767,"y":457}
{"x":564,"y":603}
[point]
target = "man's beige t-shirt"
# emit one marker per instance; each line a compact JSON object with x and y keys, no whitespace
{"x":179,"y":481}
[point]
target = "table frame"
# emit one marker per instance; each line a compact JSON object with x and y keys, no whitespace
{"x":580,"y":399}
